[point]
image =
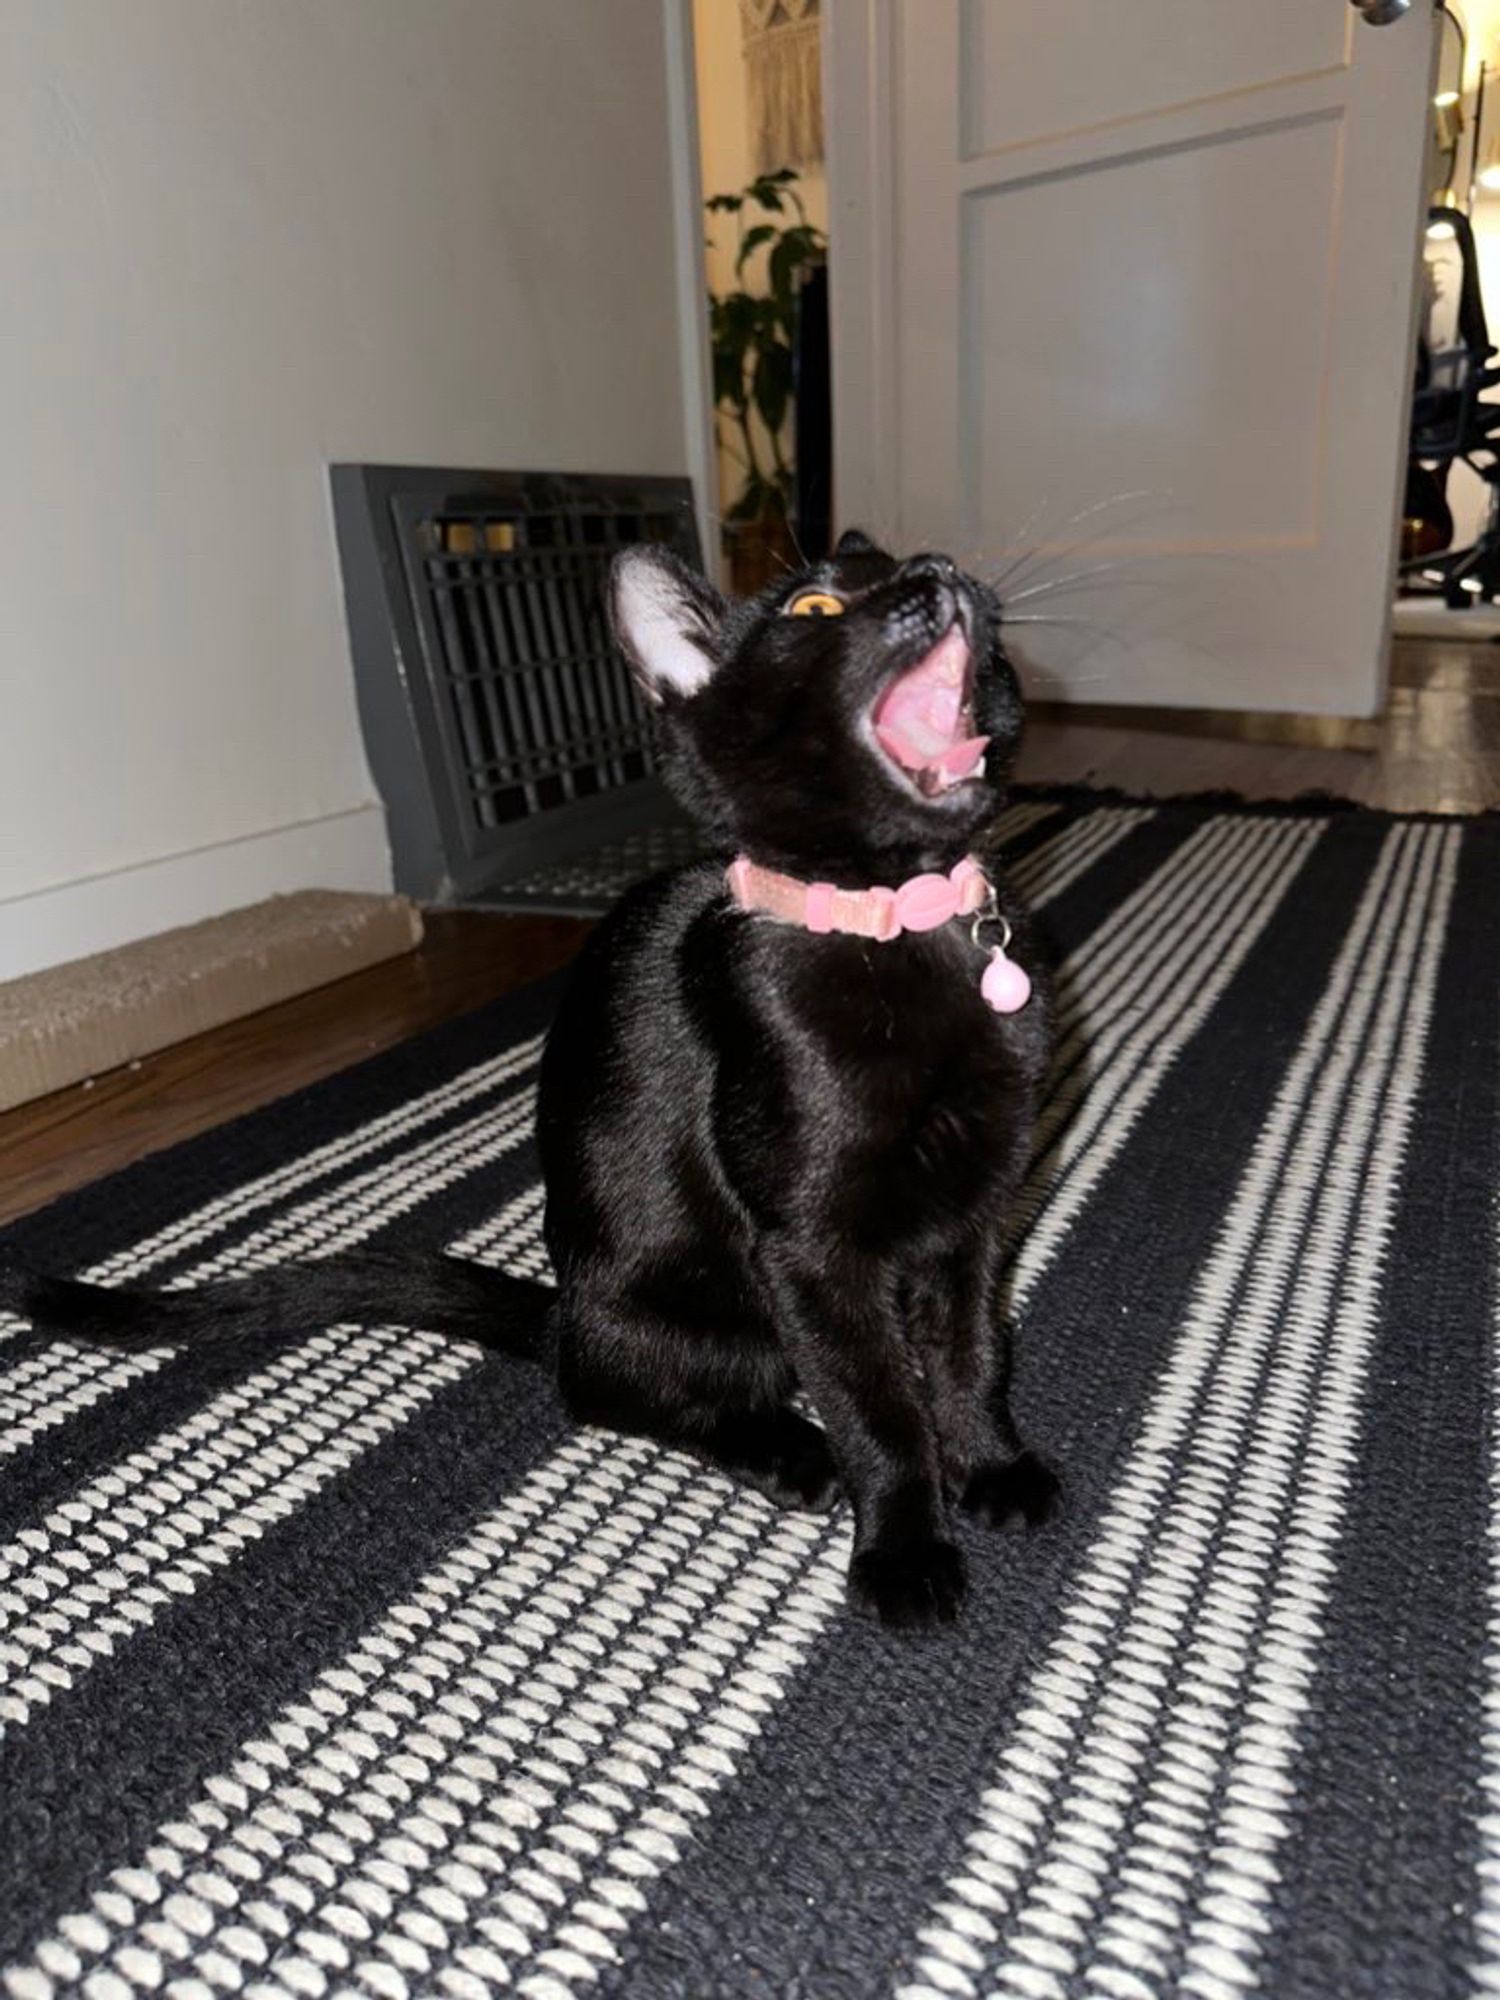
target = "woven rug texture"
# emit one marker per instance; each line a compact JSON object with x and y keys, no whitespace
{"x":348,"y":1668}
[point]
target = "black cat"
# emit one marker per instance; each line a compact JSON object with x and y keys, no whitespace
{"x":781,"y":1125}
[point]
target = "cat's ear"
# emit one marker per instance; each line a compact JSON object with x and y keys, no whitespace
{"x":665,"y":619}
{"x":855,"y":542}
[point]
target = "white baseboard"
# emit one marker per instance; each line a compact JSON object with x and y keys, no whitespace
{"x":347,"y":850}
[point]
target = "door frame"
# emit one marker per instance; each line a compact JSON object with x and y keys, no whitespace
{"x":699,"y":442}
{"x":859,"y":70}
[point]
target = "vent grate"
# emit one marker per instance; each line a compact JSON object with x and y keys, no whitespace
{"x":531,"y":738}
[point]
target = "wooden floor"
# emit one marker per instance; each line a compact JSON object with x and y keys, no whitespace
{"x":1437,"y":749}
{"x":73,"y":1136}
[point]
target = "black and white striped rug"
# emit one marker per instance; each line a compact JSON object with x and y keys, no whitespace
{"x":348,"y":1670}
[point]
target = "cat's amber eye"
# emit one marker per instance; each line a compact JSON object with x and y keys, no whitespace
{"x":814,"y":604}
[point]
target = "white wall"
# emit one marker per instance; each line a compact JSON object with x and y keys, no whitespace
{"x":238,"y":242}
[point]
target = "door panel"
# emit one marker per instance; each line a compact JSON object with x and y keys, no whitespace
{"x":1141,"y":277}
{"x":1018,"y":86}
{"x":1254,"y":387}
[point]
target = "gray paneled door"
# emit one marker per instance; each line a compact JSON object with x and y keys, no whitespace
{"x":1140,"y":275}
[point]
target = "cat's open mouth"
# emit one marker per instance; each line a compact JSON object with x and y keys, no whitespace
{"x":924,"y":718}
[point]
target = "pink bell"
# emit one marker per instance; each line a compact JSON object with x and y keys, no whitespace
{"x":1005,"y":985}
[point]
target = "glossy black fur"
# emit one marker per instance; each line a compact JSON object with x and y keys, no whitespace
{"x":774,"y":1162}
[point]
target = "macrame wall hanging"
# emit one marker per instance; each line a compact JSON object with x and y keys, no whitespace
{"x":783,"y":68}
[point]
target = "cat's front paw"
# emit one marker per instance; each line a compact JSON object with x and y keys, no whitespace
{"x":1024,"y":1488}
{"x":910,"y":1583}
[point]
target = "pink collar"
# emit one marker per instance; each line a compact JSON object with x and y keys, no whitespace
{"x":920,"y":904}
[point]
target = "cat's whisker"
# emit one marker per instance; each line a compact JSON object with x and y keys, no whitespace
{"x":1042,"y":507}
{"x":1030,"y":561}
{"x":1045,"y":557}
{"x":1002,"y":574}
{"x":1041,"y":618}
{"x":1079,"y":515}
{"x":1099,"y":637}
{"x":1051,"y":586}
{"x":1110,"y":635}
{"x":1041,"y":692}
{"x":977,"y":555}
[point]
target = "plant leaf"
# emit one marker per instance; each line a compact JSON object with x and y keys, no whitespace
{"x":773,"y":385}
{"x":756,"y":500}
{"x":763,"y":232}
{"x":796,"y":249}
{"x":729,"y":378}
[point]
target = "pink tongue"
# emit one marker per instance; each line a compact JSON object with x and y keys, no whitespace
{"x":955,"y":762}
{"x":919,"y":718}
{"x":925,"y":714}
{"x":962,"y":758}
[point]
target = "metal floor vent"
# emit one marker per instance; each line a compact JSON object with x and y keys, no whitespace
{"x":590,"y":883}
{"x":502,"y":727}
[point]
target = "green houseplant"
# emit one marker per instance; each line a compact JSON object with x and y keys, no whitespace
{"x":751,"y":335}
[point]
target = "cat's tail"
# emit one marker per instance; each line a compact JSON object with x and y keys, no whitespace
{"x":437,"y":1294}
